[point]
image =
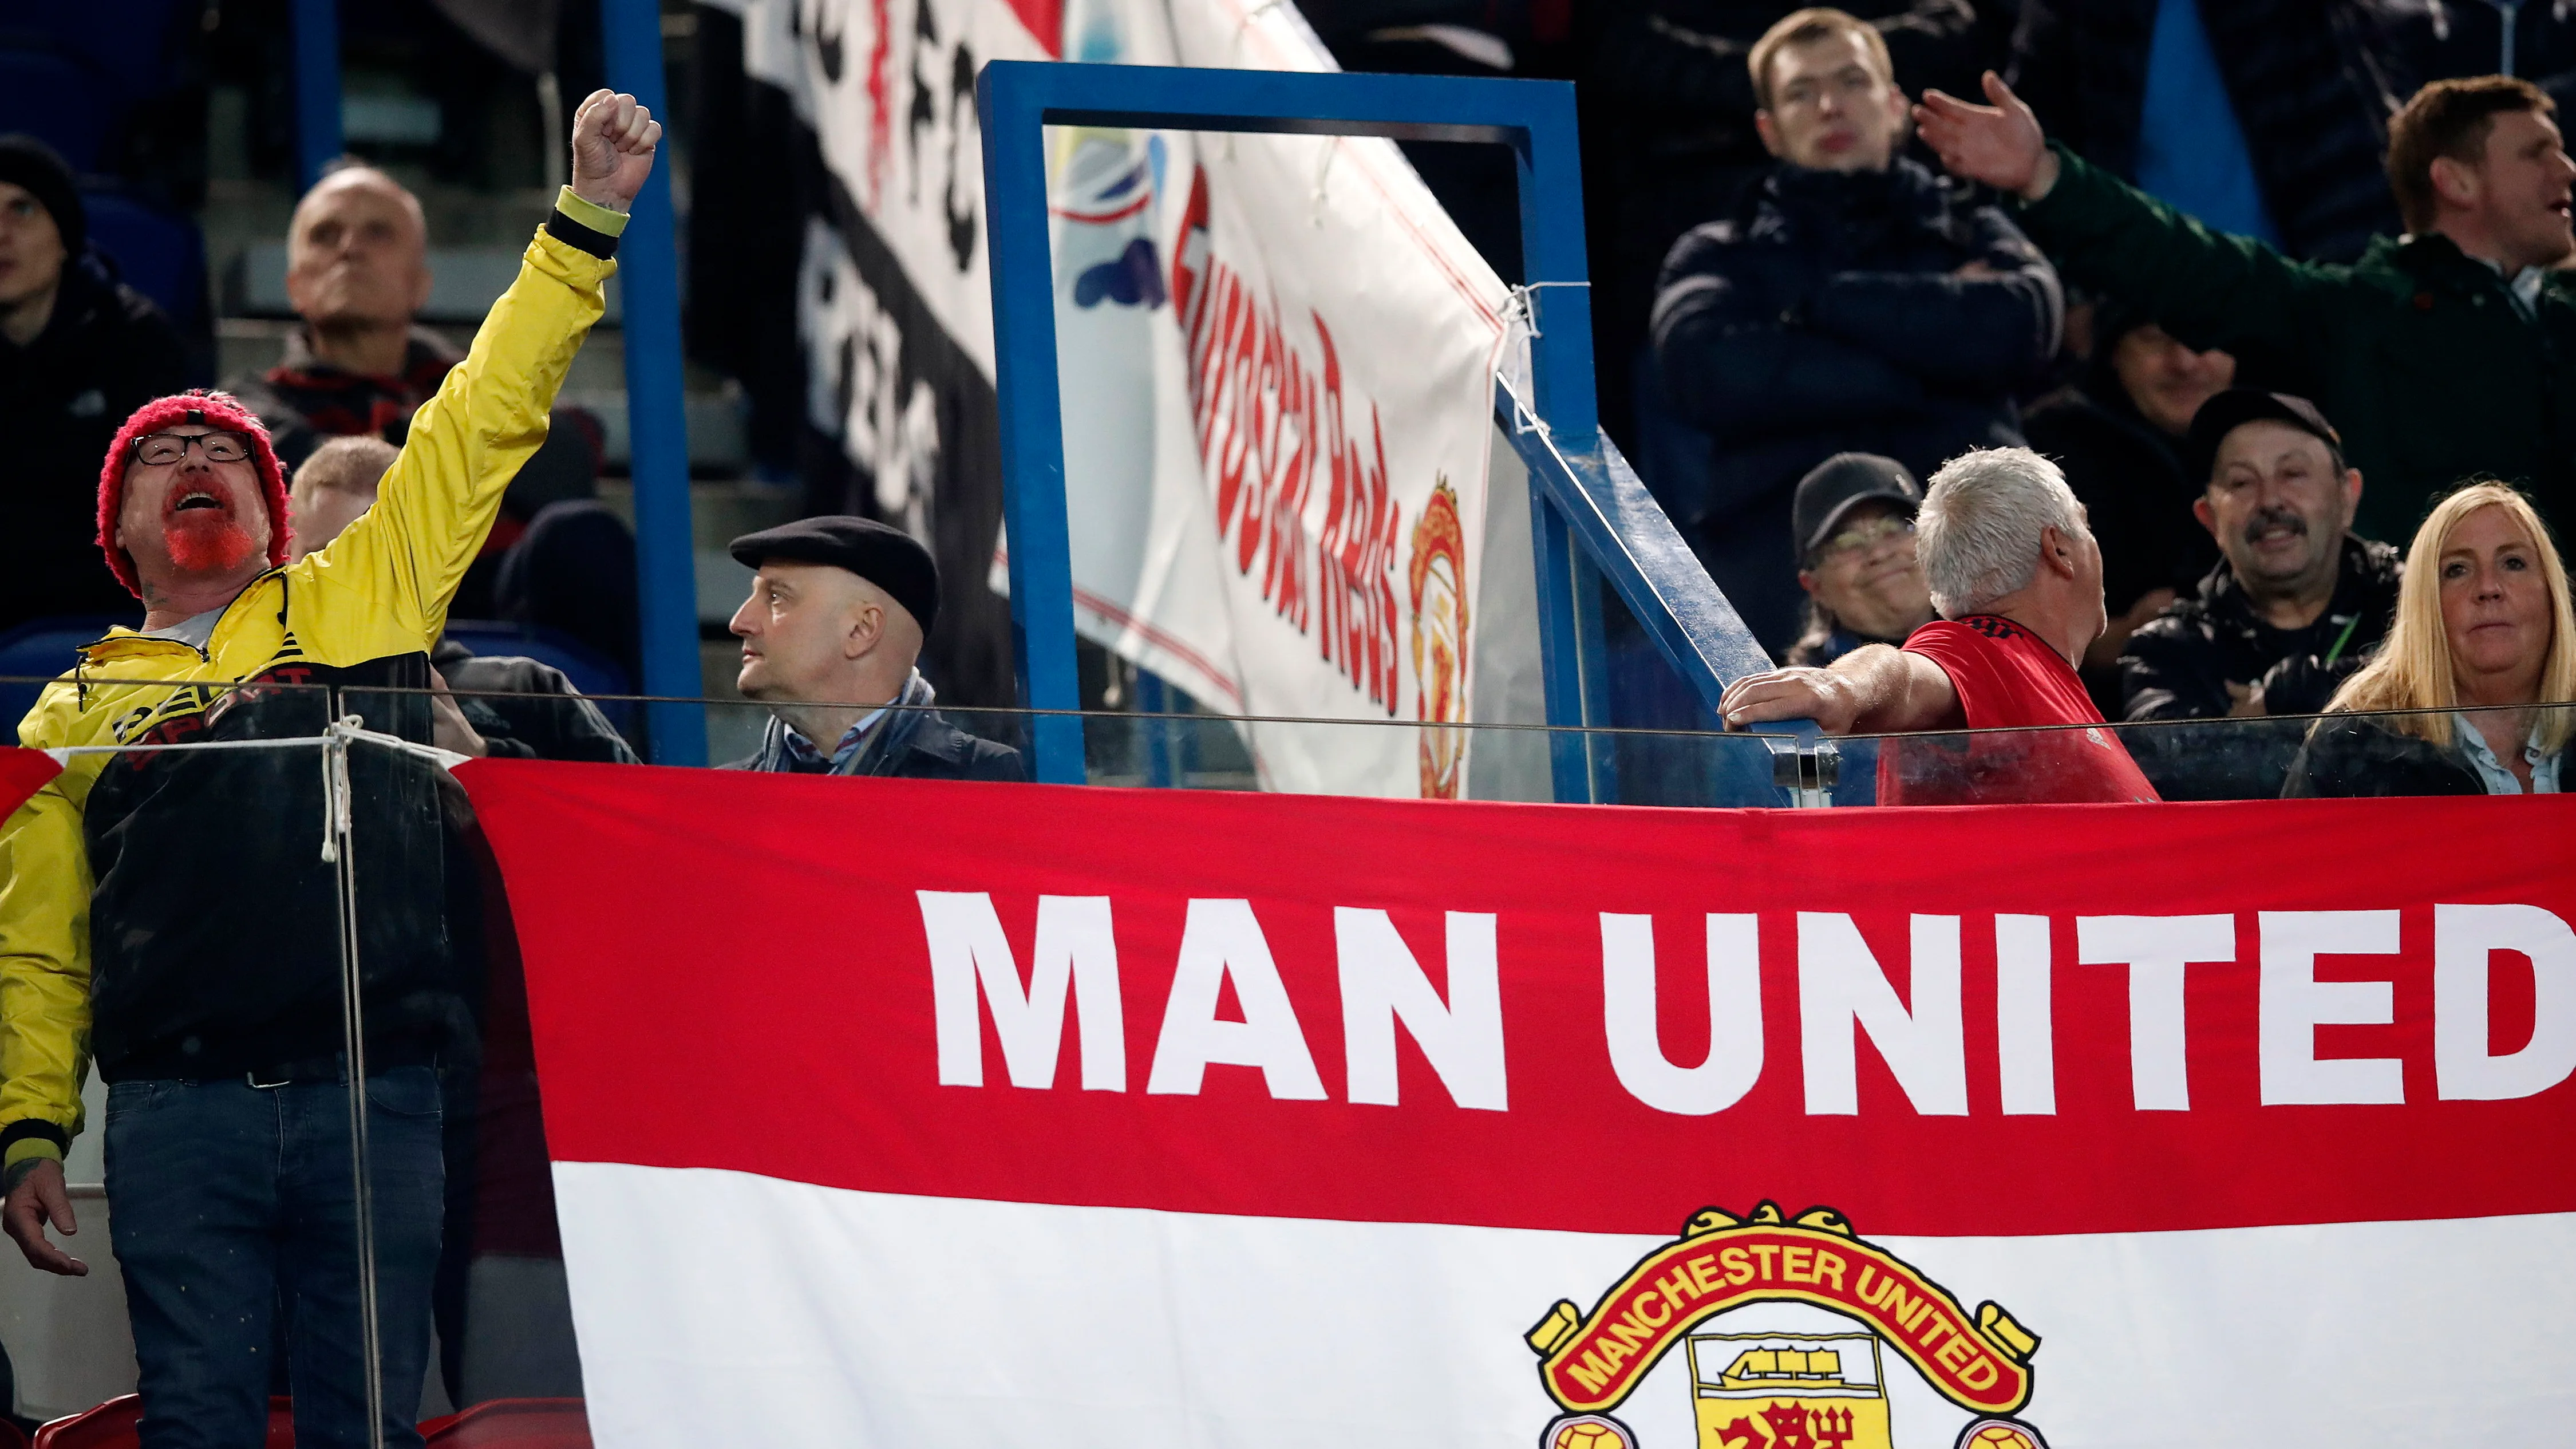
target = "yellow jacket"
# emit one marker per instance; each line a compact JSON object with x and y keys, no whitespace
{"x":187,"y":879}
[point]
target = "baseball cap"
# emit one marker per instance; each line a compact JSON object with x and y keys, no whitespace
{"x":1834,"y":487}
{"x":885,"y":556}
{"x":2238,"y":406}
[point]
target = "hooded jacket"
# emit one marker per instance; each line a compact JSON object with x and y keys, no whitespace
{"x":1832,"y":320}
{"x":171,"y":913}
{"x":106,"y":351}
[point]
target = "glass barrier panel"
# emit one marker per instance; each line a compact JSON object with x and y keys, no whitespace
{"x":213,"y":1159}
{"x":2422,"y":752}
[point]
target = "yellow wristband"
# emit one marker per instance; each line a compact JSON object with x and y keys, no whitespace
{"x":590,"y":214}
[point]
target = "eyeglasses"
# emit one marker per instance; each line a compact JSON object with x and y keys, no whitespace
{"x":1861,"y":537}
{"x":162,"y":449}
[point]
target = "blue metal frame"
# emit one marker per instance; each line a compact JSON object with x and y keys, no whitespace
{"x":648,"y":269}
{"x":1593,"y":519}
{"x":316,"y":24}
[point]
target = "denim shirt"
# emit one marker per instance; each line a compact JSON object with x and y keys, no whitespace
{"x":2492,"y":772}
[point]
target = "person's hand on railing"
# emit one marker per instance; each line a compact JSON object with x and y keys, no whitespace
{"x":1798,"y":693}
{"x":39,"y":1198}
{"x":613,"y":143}
{"x":2000,"y":145}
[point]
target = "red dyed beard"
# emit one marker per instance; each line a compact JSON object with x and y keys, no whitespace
{"x":207,"y":540}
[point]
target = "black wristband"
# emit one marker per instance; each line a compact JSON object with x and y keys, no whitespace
{"x":21,"y":1130}
{"x":572,"y":233}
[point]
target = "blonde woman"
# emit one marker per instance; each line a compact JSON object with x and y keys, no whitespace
{"x":2484,"y":638}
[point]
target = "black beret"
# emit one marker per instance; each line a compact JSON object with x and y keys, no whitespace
{"x":887,"y":557}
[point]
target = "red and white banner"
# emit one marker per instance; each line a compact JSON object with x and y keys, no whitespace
{"x":22,"y":773}
{"x":912,"y":1114}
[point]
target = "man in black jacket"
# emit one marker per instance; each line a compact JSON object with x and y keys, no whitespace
{"x":79,"y":352}
{"x":2296,"y":602}
{"x":502,"y":706}
{"x":838,"y":609}
{"x":2118,"y":433}
{"x":1860,"y":307}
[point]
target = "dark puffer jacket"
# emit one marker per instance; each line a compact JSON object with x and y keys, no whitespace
{"x":1832,"y":320}
{"x":2305,"y":79}
{"x":2178,"y":666}
{"x":105,"y":352}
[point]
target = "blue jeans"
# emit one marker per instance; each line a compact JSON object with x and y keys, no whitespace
{"x":229,"y":1203}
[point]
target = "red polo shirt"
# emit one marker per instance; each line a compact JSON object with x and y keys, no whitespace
{"x":2008,"y":679}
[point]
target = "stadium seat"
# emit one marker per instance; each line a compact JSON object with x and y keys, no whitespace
{"x":112,"y":1425}
{"x":159,"y":254}
{"x":37,"y":651}
{"x":589,"y":672}
{"x":125,"y":40}
{"x":57,"y":100}
{"x":517,"y":1423}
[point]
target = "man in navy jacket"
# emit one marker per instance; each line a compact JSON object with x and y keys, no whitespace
{"x":1858,"y":306}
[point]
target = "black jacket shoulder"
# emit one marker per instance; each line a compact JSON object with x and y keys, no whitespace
{"x":932,"y":749}
{"x":527,"y":709}
{"x":941,"y":751}
{"x":2178,"y":665}
{"x":2351,"y":755}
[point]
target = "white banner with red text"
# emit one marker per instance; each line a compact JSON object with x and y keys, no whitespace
{"x":917,"y":1114}
{"x":1276,"y":357}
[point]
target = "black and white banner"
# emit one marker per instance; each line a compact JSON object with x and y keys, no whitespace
{"x":1276,"y":355}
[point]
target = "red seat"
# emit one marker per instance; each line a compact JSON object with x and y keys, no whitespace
{"x":518,"y":1423}
{"x":112,"y":1426}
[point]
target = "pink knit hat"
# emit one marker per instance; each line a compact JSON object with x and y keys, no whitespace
{"x":196,"y":408}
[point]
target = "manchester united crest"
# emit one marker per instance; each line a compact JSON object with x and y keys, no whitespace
{"x":1797,"y":1387}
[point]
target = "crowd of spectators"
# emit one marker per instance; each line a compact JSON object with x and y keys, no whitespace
{"x":2179,"y":351}
{"x":2210,"y":408}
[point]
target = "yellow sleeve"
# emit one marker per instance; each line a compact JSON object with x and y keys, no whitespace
{"x":44,"y":975}
{"x":466,"y":443}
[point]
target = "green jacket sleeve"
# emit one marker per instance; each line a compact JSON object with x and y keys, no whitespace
{"x":2208,"y":288}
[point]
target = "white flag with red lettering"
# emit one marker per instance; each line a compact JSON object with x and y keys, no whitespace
{"x":1276,"y":357}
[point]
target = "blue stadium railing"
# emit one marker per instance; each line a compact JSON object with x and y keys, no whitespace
{"x":1593,"y":520}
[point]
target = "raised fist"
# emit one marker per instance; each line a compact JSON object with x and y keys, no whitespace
{"x":613,"y":140}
